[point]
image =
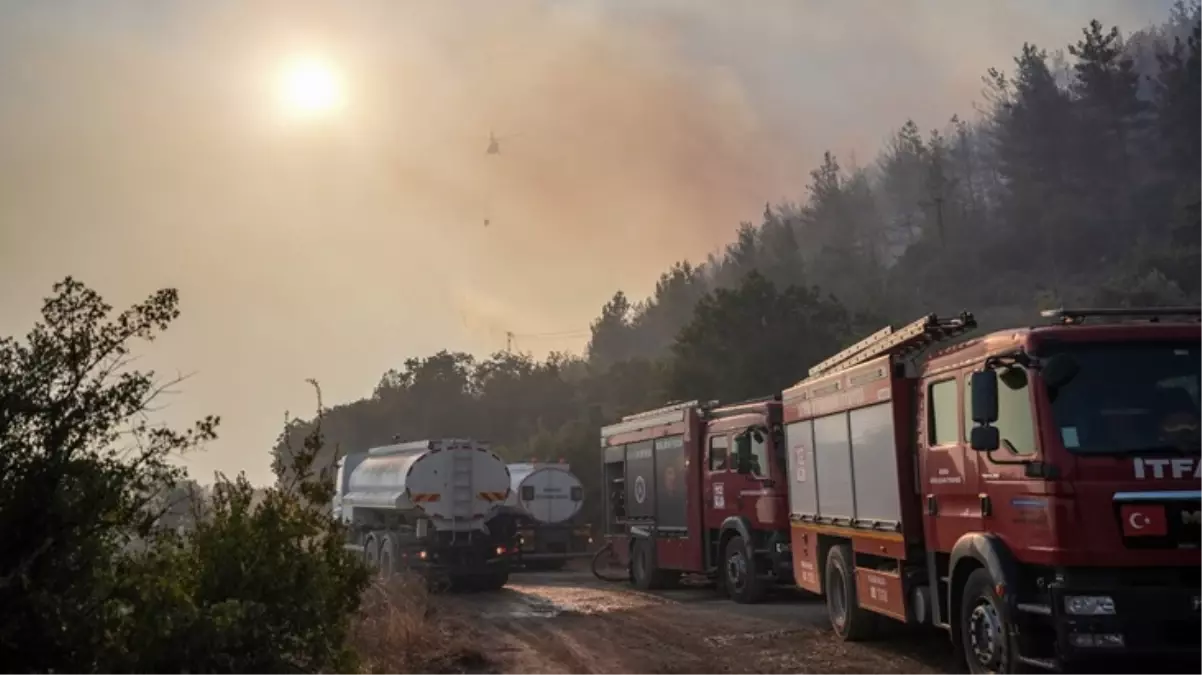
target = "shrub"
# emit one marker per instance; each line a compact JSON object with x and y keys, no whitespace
{"x":263,"y":587}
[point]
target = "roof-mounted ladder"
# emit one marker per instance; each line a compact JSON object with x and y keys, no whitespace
{"x":673,"y":412}
{"x":671,"y":407}
{"x":1153,"y":314}
{"x":913,"y":337}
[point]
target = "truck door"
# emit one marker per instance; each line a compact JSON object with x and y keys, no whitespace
{"x":755,"y":493}
{"x":1019,"y":510}
{"x":950,"y":480}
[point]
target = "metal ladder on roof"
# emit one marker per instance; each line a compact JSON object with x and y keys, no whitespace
{"x":912,"y":337}
{"x":462,"y":494}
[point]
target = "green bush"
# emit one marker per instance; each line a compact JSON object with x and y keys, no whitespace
{"x":88,"y":583}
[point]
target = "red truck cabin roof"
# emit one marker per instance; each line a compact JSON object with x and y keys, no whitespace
{"x":1030,"y":339}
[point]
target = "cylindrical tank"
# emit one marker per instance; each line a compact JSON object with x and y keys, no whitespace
{"x":548,"y":493}
{"x":457,"y":484}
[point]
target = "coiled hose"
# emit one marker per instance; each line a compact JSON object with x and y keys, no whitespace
{"x":607,"y":548}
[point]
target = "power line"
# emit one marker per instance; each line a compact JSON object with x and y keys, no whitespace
{"x":511,"y":337}
{"x":555,"y":334}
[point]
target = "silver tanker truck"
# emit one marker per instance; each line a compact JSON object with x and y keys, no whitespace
{"x":541,"y":511}
{"x":426,"y":506}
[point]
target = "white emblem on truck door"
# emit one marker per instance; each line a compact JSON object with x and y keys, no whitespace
{"x":719,"y":496}
{"x":640,"y":489}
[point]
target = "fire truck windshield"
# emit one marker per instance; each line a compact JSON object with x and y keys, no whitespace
{"x":1130,"y":398}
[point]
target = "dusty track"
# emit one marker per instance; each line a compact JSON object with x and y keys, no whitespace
{"x":571,"y":622}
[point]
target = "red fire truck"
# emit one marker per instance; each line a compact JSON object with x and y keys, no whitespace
{"x":680,"y":500}
{"x":1034,"y":492}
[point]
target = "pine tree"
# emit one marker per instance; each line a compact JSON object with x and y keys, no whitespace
{"x":1031,"y":131}
{"x":1178,"y":106}
{"x":1110,"y":117}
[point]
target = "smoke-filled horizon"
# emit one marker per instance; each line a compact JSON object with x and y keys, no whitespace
{"x":141,"y":146}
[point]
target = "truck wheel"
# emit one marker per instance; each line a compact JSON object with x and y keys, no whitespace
{"x":371,"y":551}
{"x":643,"y":571}
{"x":850,"y":621}
{"x":986,"y":636}
{"x":387,"y":557}
{"x":740,"y":574}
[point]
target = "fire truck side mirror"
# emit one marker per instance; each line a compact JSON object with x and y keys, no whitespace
{"x":984,"y":437}
{"x":743,"y":452}
{"x":984,"y":396}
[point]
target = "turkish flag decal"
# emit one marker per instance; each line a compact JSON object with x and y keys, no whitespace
{"x":1143,"y":520}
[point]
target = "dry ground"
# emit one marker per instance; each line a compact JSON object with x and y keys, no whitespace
{"x":569,"y":622}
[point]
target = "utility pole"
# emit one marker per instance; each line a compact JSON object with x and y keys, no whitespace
{"x":508,"y":342}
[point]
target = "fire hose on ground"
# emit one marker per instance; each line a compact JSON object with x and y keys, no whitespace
{"x":607,"y":548}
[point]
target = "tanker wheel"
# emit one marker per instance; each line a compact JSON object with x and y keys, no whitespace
{"x":371,"y":551}
{"x":387,"y":557}
{"x":643,"y":570}
{"x":850,"y":621}
{"x":740,"y":574}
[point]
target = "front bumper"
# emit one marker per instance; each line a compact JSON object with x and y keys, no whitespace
{"x":1152,"y":621}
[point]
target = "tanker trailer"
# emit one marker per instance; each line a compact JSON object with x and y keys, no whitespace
{"x":544,"y":500}
{"x":425,"y":506}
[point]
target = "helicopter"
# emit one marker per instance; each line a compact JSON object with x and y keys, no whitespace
{"x":494,"y":142}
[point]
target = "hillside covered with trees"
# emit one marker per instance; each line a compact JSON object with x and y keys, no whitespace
{"x":1074,"y":181}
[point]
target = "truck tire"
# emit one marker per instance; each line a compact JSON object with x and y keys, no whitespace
{"x":643,"y":570}
{"x":371,"y":551}
{"x":849,"y":621}
{"x":740,"y":574}
{"x":987,"y":637}
{"x":387,"y":556}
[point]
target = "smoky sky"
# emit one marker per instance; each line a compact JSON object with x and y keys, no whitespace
{"x":141,"y":147}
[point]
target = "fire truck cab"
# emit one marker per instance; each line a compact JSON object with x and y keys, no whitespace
{"x":698,"y":488}
{"x":1033,"y":491}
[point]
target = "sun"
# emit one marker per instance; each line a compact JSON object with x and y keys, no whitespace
{"x":310,"y":87}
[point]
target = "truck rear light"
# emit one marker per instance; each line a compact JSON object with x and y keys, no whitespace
{"x":1089,"y":605}
{"x":421,"y":554}
{"x":500,"y":550}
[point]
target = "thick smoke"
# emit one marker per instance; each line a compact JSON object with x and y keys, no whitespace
{"x":140,"y":146}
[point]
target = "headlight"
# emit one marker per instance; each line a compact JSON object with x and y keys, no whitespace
{"x":1088,"y":605}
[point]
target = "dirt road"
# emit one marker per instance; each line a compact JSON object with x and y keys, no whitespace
{"x":570,"y":622}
